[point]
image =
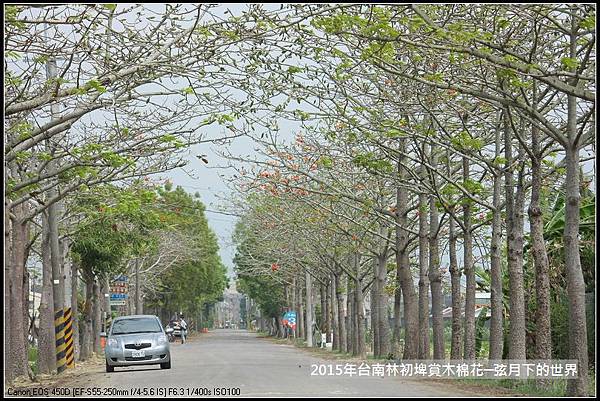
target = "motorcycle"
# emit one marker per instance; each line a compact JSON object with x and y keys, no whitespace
{"x":173,"y":331}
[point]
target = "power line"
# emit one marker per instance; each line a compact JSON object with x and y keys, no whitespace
{"x":225,"y":213}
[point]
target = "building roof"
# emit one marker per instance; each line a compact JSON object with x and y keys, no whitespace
{"x":447,"y":313}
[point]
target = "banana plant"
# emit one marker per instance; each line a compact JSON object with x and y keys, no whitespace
{"x":553,"y":235}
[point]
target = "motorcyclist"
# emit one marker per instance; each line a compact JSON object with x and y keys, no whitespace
{"x":183,"y":324}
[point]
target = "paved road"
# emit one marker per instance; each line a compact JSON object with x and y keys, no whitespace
{"x":259,"y":367}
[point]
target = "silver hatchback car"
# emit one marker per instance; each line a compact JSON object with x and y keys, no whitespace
{"x":136,"y":340}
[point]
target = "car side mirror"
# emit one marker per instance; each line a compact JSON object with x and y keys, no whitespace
{"x":103,"y":334}
{"x":169,"y":330}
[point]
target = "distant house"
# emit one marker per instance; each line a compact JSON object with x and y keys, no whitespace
{"x":35,"y":299}
{"x":482,"y":300}
{"x":447,"y":313}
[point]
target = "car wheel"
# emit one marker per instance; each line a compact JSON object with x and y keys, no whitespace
{"x":166,"y":365}
{"x":109,"y":368}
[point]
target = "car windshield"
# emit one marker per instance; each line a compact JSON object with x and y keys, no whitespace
{"x":136,"y":325}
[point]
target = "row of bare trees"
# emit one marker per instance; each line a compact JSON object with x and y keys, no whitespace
{"x":425,"y":138}
{"x":417,"y":142}
{"x":99,"y":95}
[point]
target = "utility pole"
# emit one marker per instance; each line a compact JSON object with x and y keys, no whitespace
{"x":138,"y":304}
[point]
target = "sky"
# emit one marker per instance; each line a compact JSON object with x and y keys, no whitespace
{"x":212,"y":190}
{"x":207,"y":180}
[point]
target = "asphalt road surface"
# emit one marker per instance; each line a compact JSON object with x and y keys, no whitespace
{"x":237,"y":359}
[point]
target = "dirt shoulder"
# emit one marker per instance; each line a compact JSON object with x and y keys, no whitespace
{"x":42,"y":385}
{"x":83,"y":375}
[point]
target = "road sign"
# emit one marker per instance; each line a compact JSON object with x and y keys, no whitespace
{"x":289,"y":319}
{"x":119,"y":287}
{"x":119,"y":290}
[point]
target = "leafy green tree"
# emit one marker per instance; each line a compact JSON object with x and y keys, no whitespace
{"x":201,"y":278}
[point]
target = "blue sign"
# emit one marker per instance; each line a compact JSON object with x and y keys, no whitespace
{"x":289,"y":319}
{"x":119,"y":296}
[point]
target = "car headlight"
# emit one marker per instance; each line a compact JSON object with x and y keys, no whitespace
{"x":112,"y":342}
{"x":162,"y":339}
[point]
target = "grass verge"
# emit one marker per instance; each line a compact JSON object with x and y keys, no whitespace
{"x":500,"y":387}
{"x":555,"y":388}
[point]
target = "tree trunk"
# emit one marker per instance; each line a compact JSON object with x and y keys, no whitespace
{"x":578,"y":348}
{"x":383,"y":323}
{"x":323,"y":300}
{"x":578,"y":342}
{"x":411,"y":311}
{"x":543,"y":337}
{"x":497,"y":297}
{"x":87,"y":329}
{"x":514,"y":213}
{"x":25,"y":309}
{"x":96,"y":317}
{"x":518,"y":314}
{"x":456,"y":343}
{"x":300,"y":313}
{"x":424,"y":352}
{"x":469,"y":269}
{"x":16,"y":358}
{"x":350,"y":341}
{"x":397,"y":332}
{"x":289,"y":303}
{"x":279,"y":329}
{"x":309,"y":311}
{"x":335,"y":321}
{"x":354,"y":317}
{"x":46,"y":340}
{"x":8,"y":272}
{"x":374,"y":311}
{"x":435,"y":279}
{"x":543,"y":340}
{"x":296,"y":307}
{"x":328,"y":312}
{"x":341,"y":314}
{"x":361,"y":349}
